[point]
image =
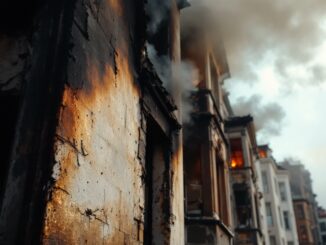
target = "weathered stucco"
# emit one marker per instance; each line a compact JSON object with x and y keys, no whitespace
{"x":97,"y":195}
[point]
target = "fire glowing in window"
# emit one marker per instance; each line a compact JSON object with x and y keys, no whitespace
{"x":262,"y":153}
{"x":237,"y":160}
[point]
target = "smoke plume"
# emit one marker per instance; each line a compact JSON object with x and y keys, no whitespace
{"x":286,"y":33}
{"x":291,"y":161}
{"x":267,"y":117}
{"x":289,"y":31}
{"x":179,"y":76}
{"x":157,"y":12}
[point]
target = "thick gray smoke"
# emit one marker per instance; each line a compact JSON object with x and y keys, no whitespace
{"x":179,"y":76}
{"x":157,"y":11}
{"x":290,"y":31}
{"x":267,"y":117}
{"x":291,"y":161}
{"x":287,"y":33}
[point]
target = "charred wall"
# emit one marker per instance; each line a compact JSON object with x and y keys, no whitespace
{"x":76,"y":171}
{"x":14,"y":63}
{"x":98,"y":192}
{"x":101,"y":179}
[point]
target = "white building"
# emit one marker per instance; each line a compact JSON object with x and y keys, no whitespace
{"x":262,"y":207}
{"x":280,"y":216}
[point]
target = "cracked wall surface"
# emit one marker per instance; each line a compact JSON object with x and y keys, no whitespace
{"x":85,"y":91}
{"x":97,"y":196}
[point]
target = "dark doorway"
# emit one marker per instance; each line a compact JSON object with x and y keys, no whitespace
{"x":157,"y":183}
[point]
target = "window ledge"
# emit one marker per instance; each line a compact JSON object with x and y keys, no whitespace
{"x":205,"y":220}
{"x":249,"y":229}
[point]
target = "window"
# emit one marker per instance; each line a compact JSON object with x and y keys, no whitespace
{"x":262,"y":153}
{"x":193,"y":173}
{"x":324,"y":238}
{"x":206,"y":179}
{"x":303,"y":232}
{"x":322,"y":226}
{"x":269,"y":214}
{"x":300,"y":211}
{"x":265,"y":181}
{"x":276,"y":186}
{"x":286,"y":220}
{"x":237,"y":160}
{"x":280,"y":216}
{"x":272,"y":240}
{"x":282,"y":189}
{"x":243,"y":204}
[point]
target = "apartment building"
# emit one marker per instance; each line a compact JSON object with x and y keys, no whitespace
{"x":245,"y":194}
{"x":280,"y":215}
{"x":304,"y":203}
{"x":322,"y":225}
{"x":92,"y":150}
{"x":262,"y":206}
{"x":205,"y":146}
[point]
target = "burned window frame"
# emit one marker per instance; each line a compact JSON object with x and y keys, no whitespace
{"x":193,"y":177}
{"x":239,"y":151}
{"x":243,"y":207}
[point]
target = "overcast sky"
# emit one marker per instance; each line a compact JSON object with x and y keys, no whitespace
{"x":302,"y":130}
{"x":277,"y":57}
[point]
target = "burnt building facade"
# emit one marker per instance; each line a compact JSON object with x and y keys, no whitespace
{"x":205,"y":146}
{"x":246,"y":195}
{"x":101,"y":144}
{"x":92,"y":137}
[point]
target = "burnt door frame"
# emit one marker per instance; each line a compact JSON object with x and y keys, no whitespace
{"x":157,"y":184}
{"x":157,"y":116}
